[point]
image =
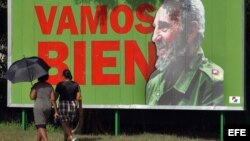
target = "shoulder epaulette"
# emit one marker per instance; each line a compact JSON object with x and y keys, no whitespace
{"x":215,"y":72}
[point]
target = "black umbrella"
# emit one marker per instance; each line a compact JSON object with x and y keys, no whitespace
{"x":27,"y":70}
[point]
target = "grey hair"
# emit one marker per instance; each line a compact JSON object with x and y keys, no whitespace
{"x":188,"y":10}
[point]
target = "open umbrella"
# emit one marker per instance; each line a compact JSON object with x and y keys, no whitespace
{"x":27,"y":70}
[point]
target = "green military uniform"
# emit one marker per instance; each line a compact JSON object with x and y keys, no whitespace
{"x":197,"y":82}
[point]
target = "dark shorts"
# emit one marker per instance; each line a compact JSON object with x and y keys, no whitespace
{"x":41,"y":126}
{"x":67,"y":111}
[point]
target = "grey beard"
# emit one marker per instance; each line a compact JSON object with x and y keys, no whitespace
{"x":163,"y":63}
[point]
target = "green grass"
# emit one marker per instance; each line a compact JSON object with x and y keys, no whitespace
{"x":12,"y":131}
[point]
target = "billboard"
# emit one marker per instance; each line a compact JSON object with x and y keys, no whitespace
{"x":135,"y":54}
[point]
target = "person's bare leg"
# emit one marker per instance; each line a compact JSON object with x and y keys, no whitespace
{"x":39,"y":138}
{"x":67,"y":131}
{"x":43,"y":134}
{"x":65,"y":136}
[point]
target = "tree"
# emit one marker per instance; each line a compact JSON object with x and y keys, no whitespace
{"x":3,"y":3}
{"x":3,"y":37}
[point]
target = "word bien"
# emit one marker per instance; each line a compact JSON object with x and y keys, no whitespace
{"x":132,"y":55}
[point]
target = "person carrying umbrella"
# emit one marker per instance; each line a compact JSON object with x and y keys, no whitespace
{"x":42,"y":93}
{"x":28,"y":69}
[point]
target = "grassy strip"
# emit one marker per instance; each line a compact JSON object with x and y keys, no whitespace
{"x":11,"y":131}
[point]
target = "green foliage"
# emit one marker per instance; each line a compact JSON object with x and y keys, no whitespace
{"x":112,"y":3}
{"x":3,"y":37}
{"x":12,"y":131}
{"x":31,"y":126}
{"x":9,"y":125}
{"x":3,"y":55}
{"x":3,"y":3}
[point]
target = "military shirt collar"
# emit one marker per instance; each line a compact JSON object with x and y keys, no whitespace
{"x":186,"y":77}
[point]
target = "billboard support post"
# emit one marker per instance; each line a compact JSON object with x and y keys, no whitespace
{"x":24,"y":119}
{"x":222,"y":122}
{"x":117,"y":122}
